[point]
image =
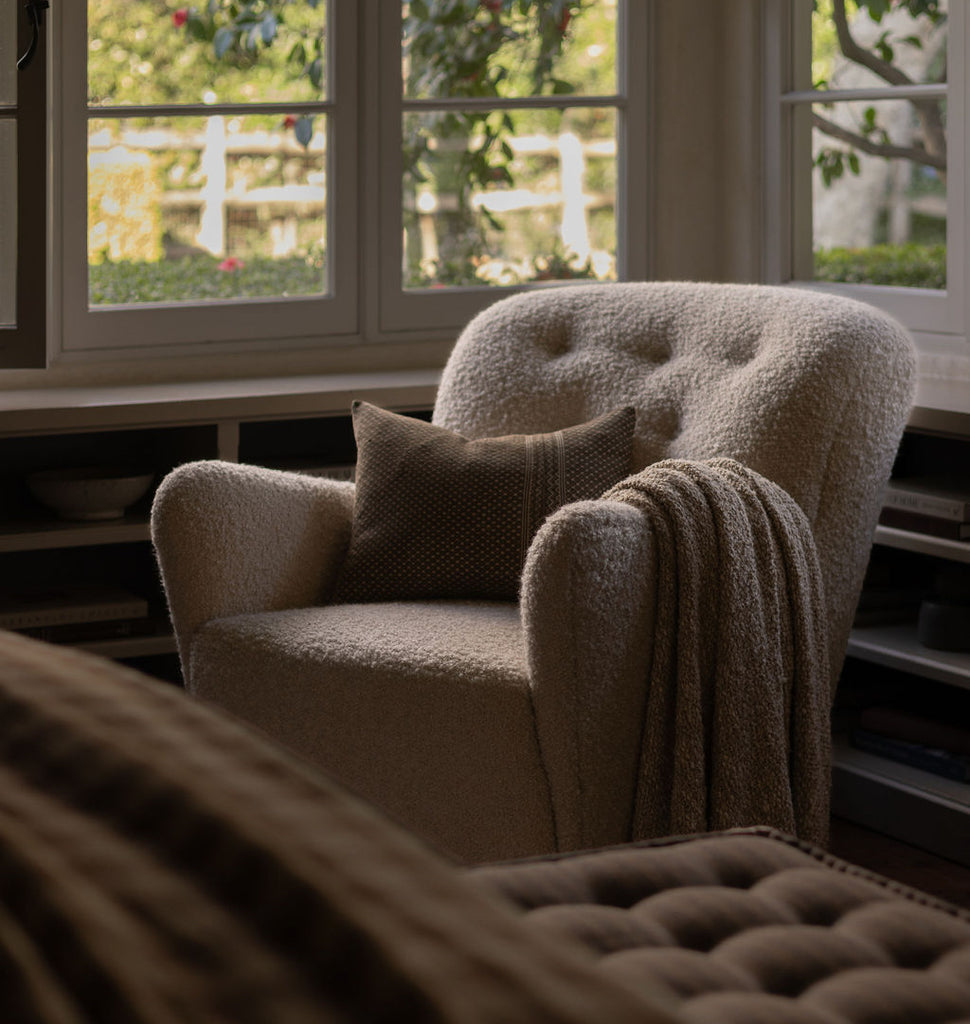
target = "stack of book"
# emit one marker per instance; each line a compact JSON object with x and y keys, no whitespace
{"x":939,"y":506}
{"x":922,"y":742}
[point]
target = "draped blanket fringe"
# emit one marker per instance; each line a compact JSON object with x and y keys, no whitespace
{"x":736,"y":725}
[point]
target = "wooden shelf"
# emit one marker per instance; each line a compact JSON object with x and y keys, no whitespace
{"x":923,"y":544}
{"x":131,"y":646}
{"x":897,"y":647}
{"x":42,"y":535}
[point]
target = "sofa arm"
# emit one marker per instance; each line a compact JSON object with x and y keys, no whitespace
{"x":234,"y":538}
{"x":587,"y":608}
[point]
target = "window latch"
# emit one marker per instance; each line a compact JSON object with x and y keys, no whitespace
{"x":35,"y":12}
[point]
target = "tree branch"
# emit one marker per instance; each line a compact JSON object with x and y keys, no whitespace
{"x":860,"y":55}
{"x":928,"y":111}
{"x":918,"y":154}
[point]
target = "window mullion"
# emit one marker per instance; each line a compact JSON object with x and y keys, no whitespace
{"x":208,"y":109}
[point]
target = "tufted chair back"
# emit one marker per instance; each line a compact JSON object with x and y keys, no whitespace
{"x":803,"y":387}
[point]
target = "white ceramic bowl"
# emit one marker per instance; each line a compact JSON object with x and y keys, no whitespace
{"x":89,"y":492}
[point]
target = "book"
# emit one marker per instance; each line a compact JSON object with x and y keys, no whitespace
{"x":902,"y":724}
{"x":929,"y":759}
{"x":941,"y":497}
{"x":32,"y":607}
{"x":917,"y":522}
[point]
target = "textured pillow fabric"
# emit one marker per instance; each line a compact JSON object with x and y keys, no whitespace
{"x":438,"y":515}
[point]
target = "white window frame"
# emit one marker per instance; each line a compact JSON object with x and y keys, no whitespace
{"x":217,"y":326}
{"x":368,"y":302}
{"x":939,"y":317}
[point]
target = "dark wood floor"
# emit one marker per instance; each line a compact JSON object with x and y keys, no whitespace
{"x":901,"y":862}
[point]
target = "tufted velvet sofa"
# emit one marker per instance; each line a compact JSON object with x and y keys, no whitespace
{"x":160,"y":862}
{"x":750,"y":926}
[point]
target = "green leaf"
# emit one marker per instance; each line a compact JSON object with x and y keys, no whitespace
{"x":303,"y":130}
{"x":268,"y":28}
{"x":223,"y":40}
{"x":883,"y":48}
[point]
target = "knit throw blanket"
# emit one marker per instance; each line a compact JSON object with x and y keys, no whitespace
{"x":736,"y":722}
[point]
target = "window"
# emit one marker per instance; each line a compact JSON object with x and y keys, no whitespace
{"x":198,"y":160}
{"x":228,"y":178}
{"x":23,"y":192}
{"x":873,"y":113}
{"x":515,"y":151}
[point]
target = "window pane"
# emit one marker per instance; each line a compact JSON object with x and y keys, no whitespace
{"x":509,"y":197}
{"x":190,"y":209}
{"x":915,"y":46}
{"x":491,"y":48}
{"x":879,"y":220}
{"x":8,"y":222}
{"x":157,"y":51}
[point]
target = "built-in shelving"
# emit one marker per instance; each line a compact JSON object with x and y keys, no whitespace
{"x":300,"y":423}
{"x":916,"y":806}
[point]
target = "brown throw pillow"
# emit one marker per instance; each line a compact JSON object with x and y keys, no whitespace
{"x":440,"y":516}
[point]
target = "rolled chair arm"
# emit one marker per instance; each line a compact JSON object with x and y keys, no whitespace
{"x":234,"y":538}
{"x":588,"y":592}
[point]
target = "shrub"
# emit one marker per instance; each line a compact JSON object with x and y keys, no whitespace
{"x":199,"y":277}
{"x":908,"y":266}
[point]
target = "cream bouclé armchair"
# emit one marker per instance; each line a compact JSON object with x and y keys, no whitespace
{"x":501,"y":728}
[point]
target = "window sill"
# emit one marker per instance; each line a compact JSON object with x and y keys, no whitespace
{"x":944,"y":372}
{"x":52,"y":409}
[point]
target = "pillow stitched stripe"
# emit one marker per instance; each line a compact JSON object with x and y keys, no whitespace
{"x":527,"y":495}
{"x":560,"y":443}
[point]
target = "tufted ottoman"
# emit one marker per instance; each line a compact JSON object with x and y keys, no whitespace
{"x":752,"y":926}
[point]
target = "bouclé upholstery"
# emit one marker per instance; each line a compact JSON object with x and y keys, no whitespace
{"x":499,"y":729}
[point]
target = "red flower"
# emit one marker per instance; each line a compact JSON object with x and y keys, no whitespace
{"x":289,"y":121}
{"x":564,"y":20}
{"x":180,"y":17}
{"x":492,"y":5}
{"x":231,"y":263}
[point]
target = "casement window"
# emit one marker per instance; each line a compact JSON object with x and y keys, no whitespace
{"x":870,"y":131}
{"x":279,"y":174}
{"x":207,"y":181}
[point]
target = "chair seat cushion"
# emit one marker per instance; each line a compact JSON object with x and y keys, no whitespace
{"x":753,"y":926}
{"x":458,"y":761}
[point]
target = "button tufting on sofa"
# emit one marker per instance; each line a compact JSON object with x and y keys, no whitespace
{"x":753,"y":926}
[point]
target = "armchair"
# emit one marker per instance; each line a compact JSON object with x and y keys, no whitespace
{"x":486,"y":726}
